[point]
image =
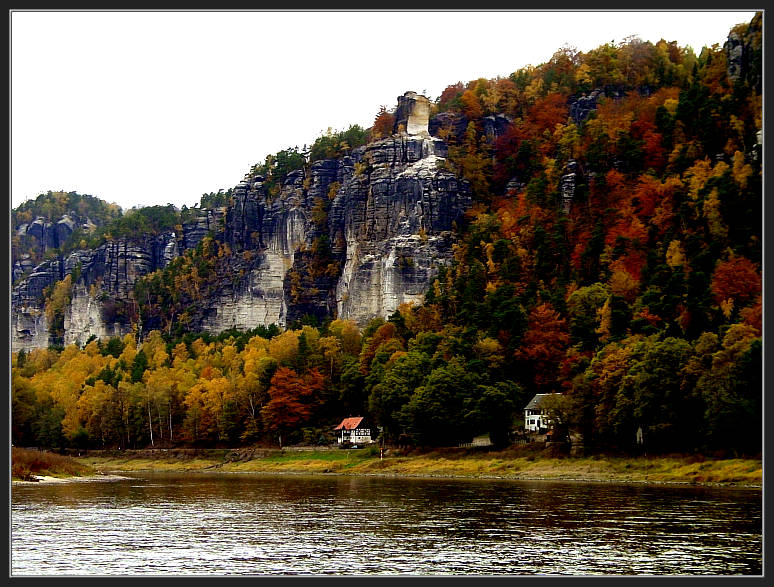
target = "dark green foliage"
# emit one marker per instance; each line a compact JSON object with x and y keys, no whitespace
{"x":332,"y":144}
{"x":731,"y":393}
{"x":136,"y":223}
{"x":353,"y":397}
{"x":47,"y":424}
{"x":217,"y":199}
{"x":495,"y":409}
{"x":660,"y":405}
{"x":276,"y":168}
{"x":395,"y":388}
{"x":139,"y":366}
{"x":113,"y":347}
{"x":23,"y":412}
{"x":438,"y":412}
{"x":53,"y":205}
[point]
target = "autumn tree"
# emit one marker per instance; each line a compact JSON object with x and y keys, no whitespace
{"x":543,"y":346}
{"x":735,"y":283}
{"x":383,"y":124}
{"x":293,"y":400}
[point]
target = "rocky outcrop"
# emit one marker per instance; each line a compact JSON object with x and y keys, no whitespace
{"x":41,"y":235}
{"x":453,"y":126}
{"x":388,"y":214}
{"x":496,"y":126}
{"x":568,"y":184}
{"x":21,"y":266}
{"x":397,"y":226}
{"x":86,"y":318}
{"x":102,"y":290}
{"x":743,"y":50}
{"x":412,"y":114}
{"x":29,"y":326}
{"x":734,"y":48}
{"x":582,"y":106}
{"x":448,"y":124}
{"x":204,"y":221}
{"x":353,"y":237}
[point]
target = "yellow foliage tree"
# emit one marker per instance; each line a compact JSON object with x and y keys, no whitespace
{"x":674,"y":255}
{"x":284,"y":347}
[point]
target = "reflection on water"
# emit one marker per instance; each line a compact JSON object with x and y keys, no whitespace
{"x":232,"y":524}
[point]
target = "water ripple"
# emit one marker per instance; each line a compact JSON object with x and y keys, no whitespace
{"x":288,"y":525}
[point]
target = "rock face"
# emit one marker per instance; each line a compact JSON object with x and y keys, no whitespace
{"x":204,"y":222}
{"x":454,"y":125}
{"x":29,"y":326}
{"x":390,"y":212}
{"x":568,"y":184}
{"x":41,"y":235}
{"x":743,"y":50}
{"x":413,"y":114}
{"x":101,"y":294}
{"x":353,"y":238}
{"x":583,"y":105}
{"x":397,"y":226}
{"x":85,"y":318}
{"x":734,"y":48}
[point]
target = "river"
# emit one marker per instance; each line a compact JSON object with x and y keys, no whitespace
{"x":255,"y":524}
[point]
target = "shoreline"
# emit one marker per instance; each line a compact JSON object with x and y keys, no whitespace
{"x":668,"y":471}
{"x":729,"y":485}
{"x":116,"y":476}
{"x":50,"y":480}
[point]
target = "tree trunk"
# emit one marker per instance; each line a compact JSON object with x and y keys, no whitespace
{"x":150,"y":423}
{"x":161,"y":422}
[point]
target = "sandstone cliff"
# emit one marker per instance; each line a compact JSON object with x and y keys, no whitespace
{"x":352,"y":237}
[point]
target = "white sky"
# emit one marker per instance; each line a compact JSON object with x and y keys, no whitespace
{"x":144,"y":108}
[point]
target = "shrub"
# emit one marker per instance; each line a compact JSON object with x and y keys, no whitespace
{"x":26,"y":462}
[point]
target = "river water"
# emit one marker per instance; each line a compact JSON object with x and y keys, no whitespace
{"x":254,"y":524}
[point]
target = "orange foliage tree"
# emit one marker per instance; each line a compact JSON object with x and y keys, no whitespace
{"x":383,"y":124}
{"x":736,"y":279}
{"x":292,"y":402}
{"x":544,"y":346}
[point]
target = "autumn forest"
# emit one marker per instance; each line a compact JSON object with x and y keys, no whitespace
{"x":639,"y":301}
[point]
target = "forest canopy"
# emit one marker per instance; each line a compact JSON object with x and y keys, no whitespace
{"x":612,"y":255}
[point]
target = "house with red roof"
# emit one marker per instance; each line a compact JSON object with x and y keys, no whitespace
{"x":354,"y":430}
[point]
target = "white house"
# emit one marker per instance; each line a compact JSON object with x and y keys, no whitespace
{"x":353,"y":431}
{"x":535,"y":418}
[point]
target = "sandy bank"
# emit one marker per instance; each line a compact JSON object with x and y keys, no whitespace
{"x":665,"y":470}
{"x":48,"y":480}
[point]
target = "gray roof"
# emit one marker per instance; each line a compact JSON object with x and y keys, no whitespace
{"x":535,"y":402}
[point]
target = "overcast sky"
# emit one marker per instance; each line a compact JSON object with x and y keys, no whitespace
{"x":144,"y":108}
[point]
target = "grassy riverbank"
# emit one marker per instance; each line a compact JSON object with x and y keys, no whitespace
{"x":514,"y":463}
{"x":29,"y":465}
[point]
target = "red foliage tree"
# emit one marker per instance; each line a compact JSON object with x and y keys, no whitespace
{"x":544,"y":345}
{"x":450,"y":94}
{"x":738,"y":279}
{"x":383,"y":124}
{"x":292,"y":400}
{"x":655,"y":155}
{"x":547,"y":112}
